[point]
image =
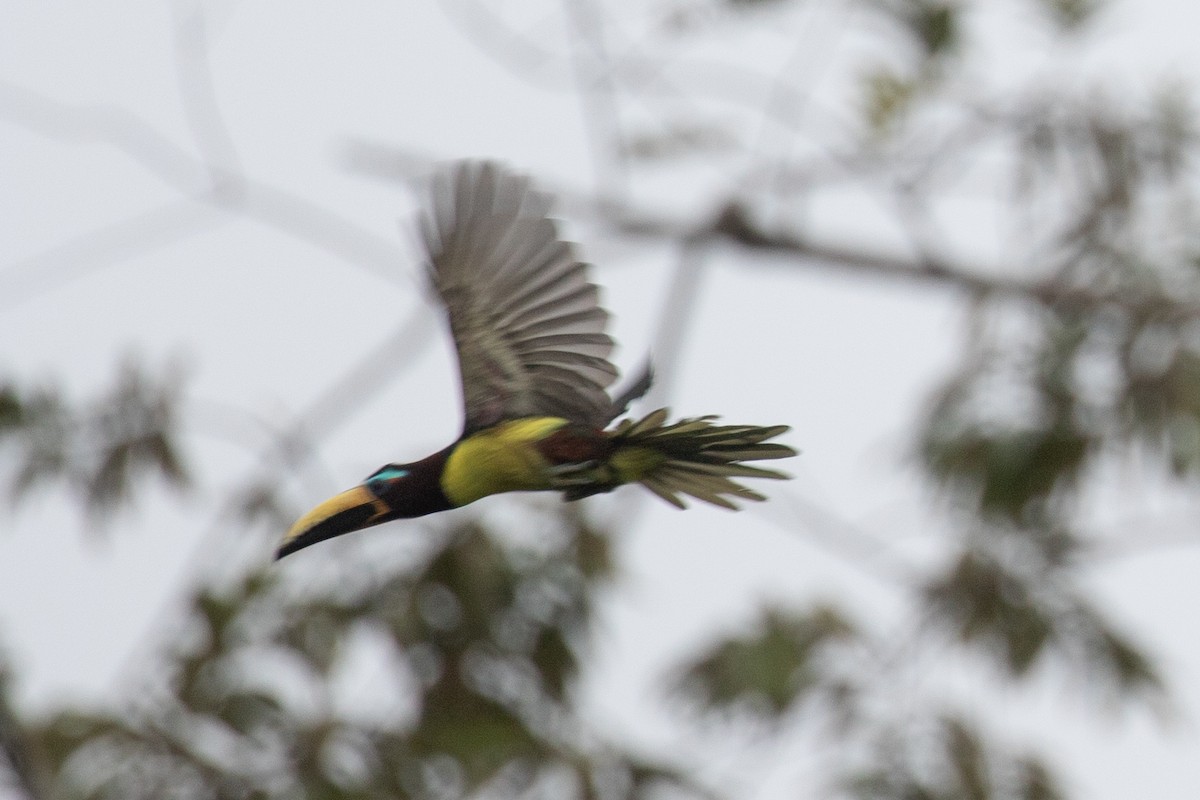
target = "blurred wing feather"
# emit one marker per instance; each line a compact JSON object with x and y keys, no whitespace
{"x":526,"y":321}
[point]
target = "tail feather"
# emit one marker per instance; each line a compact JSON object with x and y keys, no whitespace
{"x":702,"y":458}
{"x":662,"y":490}
{"x":731,"y":470}
{"x":629,"y":429}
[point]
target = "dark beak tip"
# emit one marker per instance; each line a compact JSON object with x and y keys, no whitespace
{"x":347,"y":521}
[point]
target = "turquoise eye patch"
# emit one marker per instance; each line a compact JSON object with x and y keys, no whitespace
{"x":387,"y":473}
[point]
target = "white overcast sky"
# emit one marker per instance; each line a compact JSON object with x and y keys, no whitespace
{"x":260,"y":320}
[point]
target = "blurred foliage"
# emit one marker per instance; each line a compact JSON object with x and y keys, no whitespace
{"x":949,"y":759}
{"x":785,"y":660}
{"x":1071,"y":14}
{"x":1082,"y":345}
{"x":932,"y":26}
{"x":479,"y":642}
{"x":100,"y":451}
{"x":888,"y":97}
{"x":1105,"y":362}
{"x":1020,"y":617}
{"x":891,"y":91}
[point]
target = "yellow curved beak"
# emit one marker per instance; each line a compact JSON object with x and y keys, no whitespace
{"x":349,"y":511}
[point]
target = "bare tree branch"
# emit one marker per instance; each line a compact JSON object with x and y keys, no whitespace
{"x":599,"y":97}
{"x":733,"y":223}
{"x":280,"y":210}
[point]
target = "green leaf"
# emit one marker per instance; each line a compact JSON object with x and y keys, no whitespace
{"x":1070,"y":15}
{"x":771,"y":669}
{"x":985,"y":603}
{"x":968,"y":760}
{"x":593,"y":553}
{"x":887,"y":99}
{"x":480,"y":735}
{"x":11,"y":409}
{"x":315,"y":634}
{"x":934,"y":25}
{"x":247,"y":712}
{"x":1130,"y":666}
{"x":554,"y":661}
{"x":478,"y":575}
{"x":1007,"y":472}
{"x":1036,"y":782}
{"x":99,"y":451}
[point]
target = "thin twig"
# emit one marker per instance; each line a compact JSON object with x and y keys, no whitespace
{"x":135,"y":138}
{"x":599,"y":97}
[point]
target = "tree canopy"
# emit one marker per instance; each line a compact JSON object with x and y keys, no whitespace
{"x":953,"y":146}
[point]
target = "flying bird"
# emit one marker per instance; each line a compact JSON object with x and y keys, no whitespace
{"x":533,"y":362}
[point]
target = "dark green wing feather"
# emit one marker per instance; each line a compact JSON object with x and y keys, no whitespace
{"x":526,"y":321}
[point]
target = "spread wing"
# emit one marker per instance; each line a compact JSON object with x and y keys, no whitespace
{"x":525,"y":319}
